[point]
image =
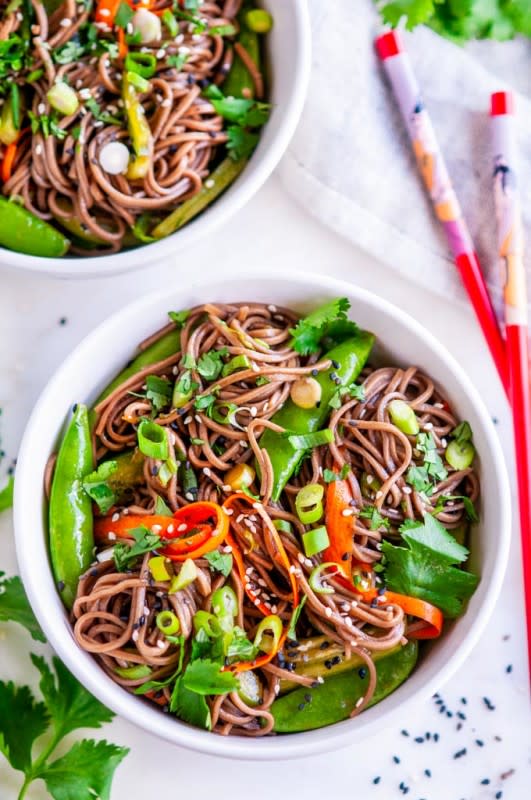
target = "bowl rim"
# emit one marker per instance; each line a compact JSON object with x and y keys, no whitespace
{"x":260,"y":166}
{"x":89,"y":672}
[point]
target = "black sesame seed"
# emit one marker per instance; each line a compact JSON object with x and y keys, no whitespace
{"x":461,"y":715}
{"x":464,"y":701}
{"x":63,"y":321}
{"x":318,"y":404}
{"x":324,"y":645}
{"x":439,"y":702}
{"x":460,"y":753}
{"x":345,"y":557}
{"x":308,"y":698}
{"x":336,"y":660}
{"x":292,"y":643}
{"x":141,"y":621}
{"x":315,"y":684}
{"x":154,"y":470}
{"x":301,"y":706}
{"x":459,"y":726}
{"x":74,"y":408}
{"x":449,"y":713}
{"x":480,"y":742}
{"x":509,"y":668}
{"x":165,"y":709}
{"x":489,"y":704}
{"x":485,"y":782}
{"x":315,"y":372}
{"x":377,"y":779}
{"x":93,"y":573}
{"x":396,"y":759}
{"x":419,"y":739}
{"x":335,"y":364}
{"x":382,"y":590}
{"x":427,"y":773}
{"x":435,"y":737}
{"x":328,"y":663}
{"x":374,"y":603}
{"x":427,"y":735}
{"x":404,"y":732}
{"x":290,"y":666}
{"x":333,"y":376}
{"x":362,"y":672}
{"x":60,"y":586}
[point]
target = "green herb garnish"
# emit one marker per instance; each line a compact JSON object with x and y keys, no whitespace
{"x":96,"y":486}
{"x":145,"y":542}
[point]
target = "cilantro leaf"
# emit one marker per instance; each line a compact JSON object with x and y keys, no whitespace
{"x":240,"y":647}
{"x":329,"y":476}
{"x":86,"y":770}
{"x":6,"y":494}
{"x":470,"y":509}
{"x":179,"y":317}
{"x":205,"y":403}
{"x":190,"y":706}
{"x":424,"y":568}
{"x":241,"y":143}
{"x":22,"y":721}
{"x":125,"y":554}
{"x":177,"y":61}
{"x":70,"y":705}
{"x":15,"y":607}
{"x":418,"y":478}
{"x":354,"y":391}
{"x":462,"y":433}
{"x":377,"y":520}
{"x":96,"y":486}
{"x":432,"y":460}
{"x":161,"y":508}
{"x":158,"y":391}
{"x":219,"y":562}
{"x":205,"y":677}
{"x":415,"y":12}
{"x":210,"y":364}
{"x":311,"y":330}
{"x":123,"y":16}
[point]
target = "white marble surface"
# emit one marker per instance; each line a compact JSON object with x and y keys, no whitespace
{"x":273,"y":230}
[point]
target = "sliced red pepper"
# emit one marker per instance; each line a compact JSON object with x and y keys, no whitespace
{"x":415,"y":607}
{"x":340,"y":528}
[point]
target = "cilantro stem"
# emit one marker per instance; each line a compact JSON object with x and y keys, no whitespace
{"x":25,"y":786}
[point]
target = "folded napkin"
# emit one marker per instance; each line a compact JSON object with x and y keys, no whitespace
{"x":350,"y":162}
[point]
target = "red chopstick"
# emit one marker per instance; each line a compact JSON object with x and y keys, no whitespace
{"x":390,"y":49}
{"x":511,"y":252}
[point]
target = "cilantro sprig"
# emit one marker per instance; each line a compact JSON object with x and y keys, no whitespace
{"x":327,"y":325}
{"x":426,"y":566}
{"x":474,"y":19}
{"x":88,"y":767}
{"x":96,"y":485}
{"x":144,"y":542}
{"x":245,"y":116}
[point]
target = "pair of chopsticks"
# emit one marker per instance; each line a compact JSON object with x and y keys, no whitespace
{"x":511,"y":354}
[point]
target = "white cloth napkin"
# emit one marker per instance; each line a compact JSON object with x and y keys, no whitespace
{"x":350,"y":162}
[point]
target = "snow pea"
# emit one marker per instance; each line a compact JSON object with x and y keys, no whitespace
{"x":351,"y":356}
{"x":22,"y":231}
{"x":163,"y":348}
{"x":70,"y":510}
{"x":239,"y":79}
{"x":335,"y":699}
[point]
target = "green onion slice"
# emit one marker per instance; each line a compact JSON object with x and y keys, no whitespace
{"x":460,"y":454}
{"x":186,"y":576}
{"x":144,"y":64}
{"x":225,"y":607}
{"x":307,"y":441}
{"x":206,"y":623}
{"x":320,"y":573}
{"x":138,"y":81}
{"x":152,"y":440}
{"x":170,"y":22}
{"x":167,"y":622}
{"x":315,"y":541}
{"x":308,"y":503}
{"x":403,"y":416}
{"x":268,"y":634}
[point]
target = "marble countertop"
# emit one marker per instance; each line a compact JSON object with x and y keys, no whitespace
{"x":42,"y":320}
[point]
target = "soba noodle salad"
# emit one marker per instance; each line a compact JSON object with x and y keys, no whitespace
{"x":256,"y":526}
{"x":121,"y":120}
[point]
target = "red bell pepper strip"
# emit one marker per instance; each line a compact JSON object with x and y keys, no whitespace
{"x":414,"y":607}
{"x":340,"y":528}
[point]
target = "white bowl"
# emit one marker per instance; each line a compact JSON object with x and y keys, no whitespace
{"x":288,"y":68}
{"x":401,"y":340}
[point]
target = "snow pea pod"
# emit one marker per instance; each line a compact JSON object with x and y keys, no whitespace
{"x":351,"y":356}
{"x":336,"y":698}
{"x":163,"y":348}
{"x":70,"y":511}
{"x":239,"y":82}
{"x":22,"y":231}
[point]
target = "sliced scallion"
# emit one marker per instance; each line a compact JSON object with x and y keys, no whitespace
{"x":283,"y":525}
{"x":133,"y":673}
{"x":168,"y":623}
{"x":138,"y":81}
{"x":307,"y":441}
{"x":144,"y":64}
{"x":403,"y":416}
{"x":153,"y":440}
{"x":315,"y":541}
{"x":309,"y":503}
{"x":236,"y":363}
{"x":460,"y":454}
{"x":63,"y":98}
{"x":268,"y":634}
{"x":187,"y":575}
{"x":319,"y":574}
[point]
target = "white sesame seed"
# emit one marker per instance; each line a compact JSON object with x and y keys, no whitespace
{"x":182,"y":527}
{"x":160,"y":53}
{"x":239,"y":518}
{"x":166,"y":103}
{"x":41,"y":108}
{"x":125,"y":511}
{"x":227,"y":487}
{"x":354,"y":603}
{"x":428,"y":426}
{"x":274,"y":609}
{"x":183,"y":51}
{"x":160,"y":644}
{"x":209,"y":183}
{"x":227,"y":549}
{"x":104,"y":12}
{"x":38,"y":149}
{"x":111,"y":536}
{"x":328,"y":612}
{"x":228,"y":511}
{"x":378,"y":495}
{"x":170,"y":529}
{"x":254,"y":411}
{"x":115,"y":518}
{"x":85,"y":93}
{"x":349,"y":622}
{"x":98,"y":124}
{"x":129,"y":28}
{"x":359,"y":702}
{"x":438,"y":405}
{"x":308,"y":562}
{"x":301,"y":558}
{"x":135,"y":636}
{"x":444,"y":442}
{"x":66,"y":23}
{"x":320,"y":679}
{"x":257,"y":602}
{"x":370,"y":479}
{"x":197,"y":418}
{"x":257,"y":506}
{"x":146,"y":611}
{"x":347,"y":512}
{"x":261,"y":582}
{"x":187,"y":420}
{"x":407,"y":490}
{"x":207,"y":472}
